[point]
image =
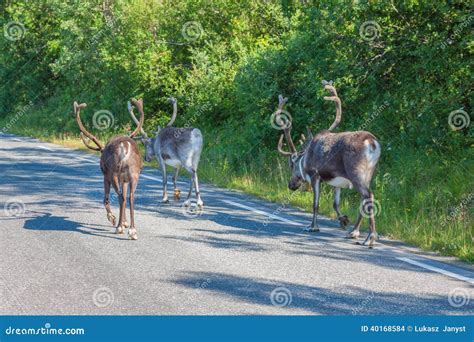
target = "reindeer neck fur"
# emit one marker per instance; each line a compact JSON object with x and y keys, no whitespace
{"x":299,"y":159}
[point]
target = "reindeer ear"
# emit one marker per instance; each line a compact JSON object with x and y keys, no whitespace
{"x":280,"y":98}
{"x":129,"y":106}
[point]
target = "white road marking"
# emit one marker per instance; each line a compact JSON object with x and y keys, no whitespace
{"x":151,"y":177}
{"x":438,"y":270}
{"x":261,"y":212}
{"x":86,"y":159}
{"x":45,"y":148}
{"x":158,"y":180}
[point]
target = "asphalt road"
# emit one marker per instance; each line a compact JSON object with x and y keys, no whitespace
{"x":61,"y":256}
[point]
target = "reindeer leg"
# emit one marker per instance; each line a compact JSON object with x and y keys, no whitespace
{"x":110,"y":216}
{"x":372,"y":236}
{"x":124,"y":214}
{"x":343,"y":219}
{"x":367,"y":203}
{"x":177,"y":192}
{"x":315,"y":183}
{"x":354,"y":233}
{"x":165,"y":181}
{"x":116,"y":185}
{"x":199,"y":202}
{"x":187,"y":203}
{"x":132,"y":232}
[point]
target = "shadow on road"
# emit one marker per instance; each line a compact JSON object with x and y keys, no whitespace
{"x":49,"y":222}
{"x":346,"y":300}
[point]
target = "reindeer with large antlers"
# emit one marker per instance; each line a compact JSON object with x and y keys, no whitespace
{"x":121,"y":165}
{"x":176,"y":147}
{"x":343,"y":160}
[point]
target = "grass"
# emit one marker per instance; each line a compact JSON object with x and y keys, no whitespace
{"x":422,"y":207}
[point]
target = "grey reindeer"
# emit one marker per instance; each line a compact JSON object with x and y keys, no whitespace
{"x":343,"y":160}
{"x":176,"y":147}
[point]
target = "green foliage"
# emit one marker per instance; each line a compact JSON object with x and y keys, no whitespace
{"x":227,"y":61}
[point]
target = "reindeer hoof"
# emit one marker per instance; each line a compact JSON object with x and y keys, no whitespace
{"x":111,"y":219}
{"x":200,"y":204}
{"x":132,"y":234}
{"x":187,"y":203}
{"x":119,"y":230}
{"x":311,"y":229}
{"x":343,"y":221}
{"x":177,"y":194}
{"x":353,"y":234}
{"x":370,"y":239}
{"x":165,"y":201}
{"x":126,"y":225}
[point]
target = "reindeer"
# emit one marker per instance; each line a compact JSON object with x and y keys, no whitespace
{"x":121,"y":165}
{"x":343,"y":160}
{"x":176,"y":147}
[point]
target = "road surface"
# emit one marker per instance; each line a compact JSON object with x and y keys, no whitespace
{"x":61,"y":256}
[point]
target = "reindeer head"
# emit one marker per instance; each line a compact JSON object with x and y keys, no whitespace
{"x":294,"y":157}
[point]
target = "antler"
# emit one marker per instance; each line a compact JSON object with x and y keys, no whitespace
{"x":175,"y":111}
{"x":280,"y":148}
{"x":328,"y":86}
{"x":287,"y":130}
{"x":134,"y":118}
{"x":84,"y":132}
{"x":139,"y":104}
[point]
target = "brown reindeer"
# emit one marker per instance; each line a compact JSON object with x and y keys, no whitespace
{"x":343,"y":160}
{"x":121,"y":165}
